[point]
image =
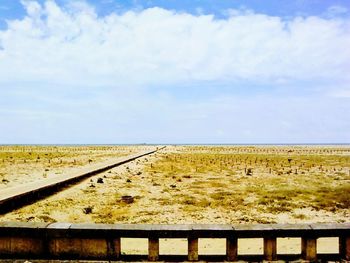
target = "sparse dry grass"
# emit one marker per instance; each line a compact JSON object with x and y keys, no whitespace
{"x":271,"y":183}
{"x":211,"y":185}
{"x":23,"y":164}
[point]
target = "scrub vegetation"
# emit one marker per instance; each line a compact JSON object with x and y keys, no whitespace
{"x":207,"y":184}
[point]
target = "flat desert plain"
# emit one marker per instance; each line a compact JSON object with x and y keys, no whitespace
{"x":187,"y":184}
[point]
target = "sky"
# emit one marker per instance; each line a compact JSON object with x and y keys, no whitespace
{"x":109,"y":72}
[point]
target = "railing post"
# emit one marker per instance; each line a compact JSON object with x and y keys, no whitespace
{"x":309,"y":249}
{"x":344,"y":248}
{"x":114,"y":248}
{"x":192,"y":249}
{"x":270,"y":249}
{"x":231,"y":248}
{"x":153,"y":249}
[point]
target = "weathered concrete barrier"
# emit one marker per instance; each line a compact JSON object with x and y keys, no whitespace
{"x":18,"y":196}
{"x":103,"y":242}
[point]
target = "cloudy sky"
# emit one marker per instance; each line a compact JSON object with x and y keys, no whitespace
{"x":169,"y":71}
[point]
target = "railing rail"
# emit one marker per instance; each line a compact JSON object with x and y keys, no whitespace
{"x":103,"y":241}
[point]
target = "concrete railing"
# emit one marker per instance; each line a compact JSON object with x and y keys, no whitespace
{"x":103,"y":242}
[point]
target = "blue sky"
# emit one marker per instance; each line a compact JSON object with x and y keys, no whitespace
{"x":14,"y":9}
{"x":174,"y":71}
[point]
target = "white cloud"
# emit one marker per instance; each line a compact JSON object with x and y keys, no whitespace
{"x":70,"y":76}
{"x":337,"y":10}
{"x":155,"y":46}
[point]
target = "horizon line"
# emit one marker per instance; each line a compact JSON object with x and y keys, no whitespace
{"x":152,"y":144}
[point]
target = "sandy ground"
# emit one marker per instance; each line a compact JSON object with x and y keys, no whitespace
{"x":160,"y":197}
{"x":58,"y":208}
{"x":20,"y":165}
{"x":252,"y":246}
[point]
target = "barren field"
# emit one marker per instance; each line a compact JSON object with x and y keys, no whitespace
{"x":192,"y":184}
{"x":24,"y":164}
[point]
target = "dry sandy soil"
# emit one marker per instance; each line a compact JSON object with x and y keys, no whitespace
{"x":24,"y":164}
{"x":194,"y":184}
